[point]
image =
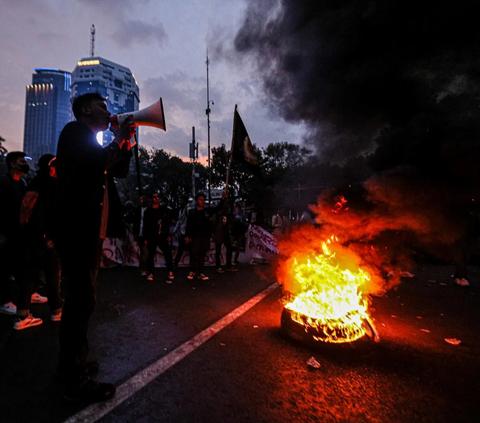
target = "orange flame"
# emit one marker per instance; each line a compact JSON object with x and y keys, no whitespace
{"x":330,"y":299}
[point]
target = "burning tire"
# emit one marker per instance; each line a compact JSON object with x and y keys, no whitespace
{"x":298,"y":329}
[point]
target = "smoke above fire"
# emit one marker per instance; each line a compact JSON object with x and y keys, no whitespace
{"x":349,"y":69}
{"x":393,"y":83}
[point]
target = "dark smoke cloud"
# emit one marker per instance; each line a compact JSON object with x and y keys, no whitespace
{"x":396,"y":83}
{"x":351,"y":69}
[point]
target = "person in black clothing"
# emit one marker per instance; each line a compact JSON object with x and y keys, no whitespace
{"x":198,"y":233}
{"x":89,"y":210}
{"x":138,"y":232}
{"x":12,"y":190}
{"x":238,"y":231}
{"x":38,"y":219}
{"x":180,"y":228}
{"x":157,"y":233}
{"x":222,"y":222}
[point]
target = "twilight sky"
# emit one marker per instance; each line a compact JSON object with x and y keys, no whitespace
{"x":164,"y":44}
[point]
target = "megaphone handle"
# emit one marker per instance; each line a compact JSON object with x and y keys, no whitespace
{"x":137,"y":165}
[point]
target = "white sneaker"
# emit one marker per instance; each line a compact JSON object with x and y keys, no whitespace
{"x":8,"y":308}
{"x":461,"y":282}
{"x":56,"y":317}
{"x":38,"y":299}
{"x":28,"y":322}
{"x":150,"y":277}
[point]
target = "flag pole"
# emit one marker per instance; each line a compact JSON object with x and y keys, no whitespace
{"x":231,"y":150}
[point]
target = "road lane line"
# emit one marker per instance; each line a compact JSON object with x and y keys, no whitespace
{"x":95,"y":412}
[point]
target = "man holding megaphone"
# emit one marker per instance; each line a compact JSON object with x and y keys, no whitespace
{"x":153,"y":116}
{"x":90,"y":210}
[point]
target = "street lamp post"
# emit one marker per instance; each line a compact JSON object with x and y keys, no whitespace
{"x":193,"y":156}
{"x":208,"y":137}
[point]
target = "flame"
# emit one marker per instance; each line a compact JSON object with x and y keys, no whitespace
{"x":330,"y":298}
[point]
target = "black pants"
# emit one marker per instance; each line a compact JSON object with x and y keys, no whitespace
{"x":40,"y":254}
{"x":218,"y":250}
{"x":160,"y":241}
{"x":8,"y":254}
{"x":142,"y":247}
{"x":80,"y":259}
{"x":198,"y":250}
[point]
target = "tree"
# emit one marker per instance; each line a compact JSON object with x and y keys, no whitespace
{"x":160,"y":171}
{"x":3,"y":150}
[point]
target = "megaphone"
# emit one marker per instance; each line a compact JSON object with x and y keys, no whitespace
{"x":150,"y":116}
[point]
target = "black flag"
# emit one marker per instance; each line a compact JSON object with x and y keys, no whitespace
{"x":242,"y":149}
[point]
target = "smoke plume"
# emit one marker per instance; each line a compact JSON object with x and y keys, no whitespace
{"x":350,"y":69}
{"x":391,"y":82}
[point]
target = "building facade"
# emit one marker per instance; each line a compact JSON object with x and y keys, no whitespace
{"x":114,"y":82}
{"x":47,"y":111}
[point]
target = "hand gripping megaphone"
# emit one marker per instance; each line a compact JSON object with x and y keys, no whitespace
{"x":150,"y":116}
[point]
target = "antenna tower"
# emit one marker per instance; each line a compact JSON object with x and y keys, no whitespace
{"x":92,"y":41}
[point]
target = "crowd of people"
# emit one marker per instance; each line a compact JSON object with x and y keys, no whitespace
{"x":55,"y":226}
{"x":57,"y":223}
{"x":156,"y":225}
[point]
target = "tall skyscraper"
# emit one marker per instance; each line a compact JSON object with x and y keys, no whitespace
{"x":47,"y":111}
{"x":114,"y":82}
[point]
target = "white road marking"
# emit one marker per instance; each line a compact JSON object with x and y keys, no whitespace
{"x":95,"y":412}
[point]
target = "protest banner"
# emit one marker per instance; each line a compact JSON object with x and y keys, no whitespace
{"x":118,"y":252}
{"x":260,"y":243}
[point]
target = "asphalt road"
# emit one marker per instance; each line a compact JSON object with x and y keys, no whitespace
{"x":249,"y":371}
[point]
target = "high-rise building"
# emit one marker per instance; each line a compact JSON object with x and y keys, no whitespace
{"x":47,"y":111}
{"x":114,"y":82}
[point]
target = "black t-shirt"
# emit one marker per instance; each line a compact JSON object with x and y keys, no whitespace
{"x":11,"y":195}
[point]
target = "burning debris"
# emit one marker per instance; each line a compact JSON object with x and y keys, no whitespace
{"x":330,"y":303}
{"x":327,"y":288}
{"x":311,"y":362}
{"x":396,"y":106}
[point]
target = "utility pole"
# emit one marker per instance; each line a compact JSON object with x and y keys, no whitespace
{"x":193,"y":156}
{"x":208,"y":138}
{"x":92,"y":41}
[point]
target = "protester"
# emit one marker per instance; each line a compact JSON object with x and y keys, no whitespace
{"x":12,"y":190}
{"x":255,"y":216}
{"x":157,"y":233}
{"x":238,"y":231}
{"x":280,"y":222}
{"x":306,"y":218}
{"x":89,"y":210}
{"x":222,"y":222}
{"x":180,"y":228}
{"x":38,"y":221}
{"x":198,"y":232}
{"x":138,"y":231}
